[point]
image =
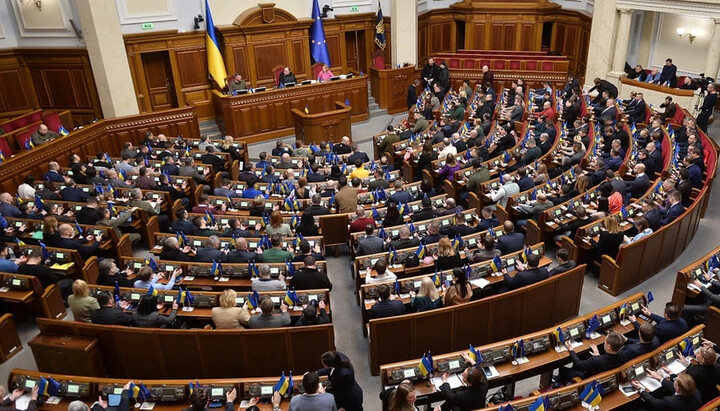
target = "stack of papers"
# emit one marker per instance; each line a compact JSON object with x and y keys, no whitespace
{"x":480,"y":283}
{"x":453,"y":380}
{"x":676,"y":367}
{"x":650,"y":384}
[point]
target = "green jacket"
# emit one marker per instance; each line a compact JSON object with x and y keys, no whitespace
{"x":276,"y":255}
{"x":478,"y":177}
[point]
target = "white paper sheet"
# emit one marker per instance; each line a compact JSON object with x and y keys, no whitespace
{"x":650,"y":384}
{"x":453,"y":380}
{"x":480,"y":283}
{"x":676,"y":367}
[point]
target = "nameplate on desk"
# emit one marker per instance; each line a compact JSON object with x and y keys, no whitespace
{"x":187,"y":309}
{"x":189,"y":278}
{"x":480,"y":283}
{"x":4,"y":289}
{"x":224,"y":279}
{"x":53,"y":400}
{"x":624,"y":322}
{"x":370,"y":301}
{"x":147,"y":406}
{"x":521,"y":360}
{"x":594,"y":335}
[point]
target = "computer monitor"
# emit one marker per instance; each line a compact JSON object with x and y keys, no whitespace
{"x":290,"y":84}
{"x":333,"y":78}
{"x":305,"y":82}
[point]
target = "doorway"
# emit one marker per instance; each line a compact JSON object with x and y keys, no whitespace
{"x":159,"y":80}
{"x":459,"y":35}
{"x":356,"y":51}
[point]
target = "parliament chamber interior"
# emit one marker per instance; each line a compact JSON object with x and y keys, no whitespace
{"x":398,"y":205}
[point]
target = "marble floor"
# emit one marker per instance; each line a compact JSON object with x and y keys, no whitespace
{"x":346,"y":314}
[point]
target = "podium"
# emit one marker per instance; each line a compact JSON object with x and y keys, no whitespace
{"x":324,"y":126}
{"x":389,"y":87}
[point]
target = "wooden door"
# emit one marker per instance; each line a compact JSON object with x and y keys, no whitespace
{"x":356,"y":50}
{"x":159,"y":80}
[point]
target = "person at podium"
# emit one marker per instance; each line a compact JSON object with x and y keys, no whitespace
{"x":324,"y":74}
{"x":286,"y":76}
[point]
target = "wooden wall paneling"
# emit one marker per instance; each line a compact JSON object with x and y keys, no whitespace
{"x":17,"y":94}
{"x":423,"y":51}
{"x":509,"y":31}
{"x":527,"y":37}
{"x":479,"y":36}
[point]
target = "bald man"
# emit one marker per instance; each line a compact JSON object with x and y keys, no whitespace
{"x":42,"y":135}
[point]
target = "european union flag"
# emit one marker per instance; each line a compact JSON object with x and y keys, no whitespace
{"x":116,"y":293}
{"x":623,"y":212}
{"x":318,"y":47}
{"x":593,"y":325}
{"x":380,"y":29}
{"x":289,"y":268}
{"x":650,"y":297}
{"x":189,"y":298}
{"x":347,"y":102}
{"x":38,"y":202}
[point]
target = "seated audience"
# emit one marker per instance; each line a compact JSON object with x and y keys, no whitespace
{"x":109,"y":313}
{"x":427,"y":297}
{"x":228,"y":315}
{"x":80,"y":302}
{"x":269,"y":320}
{"x":460,"y":291}
{"x":387,"y":306}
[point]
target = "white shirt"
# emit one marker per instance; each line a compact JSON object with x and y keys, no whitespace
{"x":26,"y":192}
{"x":451,"y":149}
{"x":387,"y":276}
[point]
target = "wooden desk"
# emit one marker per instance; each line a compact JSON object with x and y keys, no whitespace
{"x":389,"y":87}
{"x":267,"y":115}
{"x":329,"y":125}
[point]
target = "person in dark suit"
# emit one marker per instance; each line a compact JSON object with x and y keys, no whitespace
{"x":603,"y":85}
{"x":667,"y":327}
{"x":405,"y":241}
{"x":526,"y":275}
{"x":510,"y":241}
{"x":109,"y":314}
{"x":637,"y":187}
{"x":88,"y":213}
{"x":676,"y":208}
{"x":459,"y":228}
{"x":655,"y":155}
{"x":412,"y":94}
{"x":472,"y":395}
{"x":651,"y":213}
{"x":170,"y":167}
{"x":681,"y":395}
{"x":386,"y":307}
{"x":371,"y":244}
{"x":357,"y":155}
{"x":610,"y":111}
{"x":316,"y":208}
{"x":309,"y":277}
{"x":285,"y":77}
{"x":645,"y":343}
{"x":182,"y":224}
{"x":241,"y":254}
{"x":199,"y":400}
{"x":341,"y":375}
{"x":668,"y":76}
{"x":72,"y":193}
{"x":705,"y":371}
{"x":209,"y":157}
{"x":429,"y":72}
{"x":211,"y":252}
{"x":426,"y":212}
{"x":171,"y":251}
{"x":67,"y":240}
{"x":564,"y":262}
{"x":487,"y":220}
{"x":597,"y":362}
{"x":343,"y":147}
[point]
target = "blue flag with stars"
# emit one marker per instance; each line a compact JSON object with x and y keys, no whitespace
{"x":318,"y":47}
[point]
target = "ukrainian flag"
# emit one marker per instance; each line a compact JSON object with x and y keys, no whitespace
{"x":152,"y":291}
{"x":496,"y":264}
{"x":595,"y":396}
{"x":20,"y":242}
{"x":421,"y":251}
{"x":253,"y":300}
{"x":623,"y":309}
{"x":527,"y":252}
{"x":425,"y":365}
{"x":474,"y":354}
{"x":2,"y":156}
{"x":43,"y":387}
{"x":291,"y":297}
{"x":282,"y":385}
{"x":134,"y":390}
{"x":437,"y":279}
{"x":216,"y":65}
{"x":541,"y":404}
{"x":180,"y":299}
{"x":559,"y":336}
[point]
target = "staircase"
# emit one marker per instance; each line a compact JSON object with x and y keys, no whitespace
{"x":373,"y":108}
{"x":210,"y":128}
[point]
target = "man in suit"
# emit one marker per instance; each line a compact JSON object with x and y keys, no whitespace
{"x":655,"y":155}
{"x":400,"y":196}
{"x":564,"y":262}
{"x":387,"y":306}
{"x":309,"y":277}
{"x":188,"y":169}
{"x":597,"y":362}
{"x":380,"y":181}
{"x":598,"y":175}
{"x":443,"y":78}
{"x":386,"y":145}
{"x":670,"y":109}
{"x":426,"y":212}
{"x":182,"y":224}
{"x":510,"y":241}
{"x":645,"y":343}
{"x":357,"y":155}
{"x":667,"y":327}
{"x":171,"y":250}
{"x":429,"y":72}
{"x":487,"y":220}
{"x":371,"y":244}
{"x":411,"y":99}
{"x":109,"y":314}
{"x":601,"y":86}
{"x":668,"y":77}
{"x":526,"y":275}
{"x":267,"y":319}
{"x":88,"y":214}
{"x":316,"y":208}
{"x":242,"y":254}
{"x":53,"y":173}
{"x":533,"y":153}
{"x":610,"y":111}
{"x":72,"y":193}
{"x":525,"y":182}
{"x":35,"y":266}
{"x":170,"y":167}
{"x":343,"y":147}
{"x":637,"y":187}
{"x":211,"y":252}
{"x":678,"y":396}
{"x":675,"y":210}
{"x":264,"y":282}
{"x":651,"y":213}
{"x":286,"y":76}
{"x":347,"y":197}
{"x":405,"y":241}
{"x":459,"y":227}
{"x":470,"y":397}
{"x":67,"y":240}
{"x":433,"y":233}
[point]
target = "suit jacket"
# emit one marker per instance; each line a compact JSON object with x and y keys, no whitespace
{"x":387,"y":308}
{"x":316,"y":210}
{"x":174,"y":255}
{"x":208,"y":254}
{"x":404,"y":243}
{"x":87,"y":215}
{"x":561,"y":268}
{"x":73,"y":194}
{"x":269,"y":320}
{"x":358,"y":155}
{"x":110,"y":316}
{"x":639,"y":186}
{"x":672,"y":213}
{"x":86,"y":251}
{"x":343,"y":387}
{"x":239,"y":256}
{"x":310,"y":279}
{"x":671,"y":401}
{"x":184,"y":226}
{"x":656,"y":156}
{"x":654,"y":218}
{"x":171,"y":169}
{"x":511,"y":242}
{"x":525,"y":183}
{"x":596,"y":364}
{"x":524,"y":278}
{"x":346,"y":199}
{"x":464,"y":398}
{"x":370,"y":245}
{"x":666,"y":330}
{"x":706,"y":377}
{"x":634,"y":348}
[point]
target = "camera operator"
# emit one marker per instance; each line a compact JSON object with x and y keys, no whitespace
{"x":707,"y":107}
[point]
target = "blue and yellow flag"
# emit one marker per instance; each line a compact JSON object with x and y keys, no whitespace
{"x":496,"y":264}
{"x":189,"y":298}
{"x":437,"y":279}
{"x":623,"y":309}
{"x":380,"y":30}
{"x":152,"y":291}
{"x":474,"y":354}
{"x":559,"y":336}
{"x":282,"y":385}
{"x":181,"y":297}
{"x":291,"y":297}
{"x":151,"y":263}
{"x":541,"y":404}
{"x":29,"y":145}
{"x":425,"y":364}
{"x":421,"y":251}
{"x":134,"y":390}
{"x":527,"y":252}
{"x":2,"y":156}
{"x":216,"y":64}
{"x":318,"y":46}
{"x":253,"y":300}
{"x":20,"y":242}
